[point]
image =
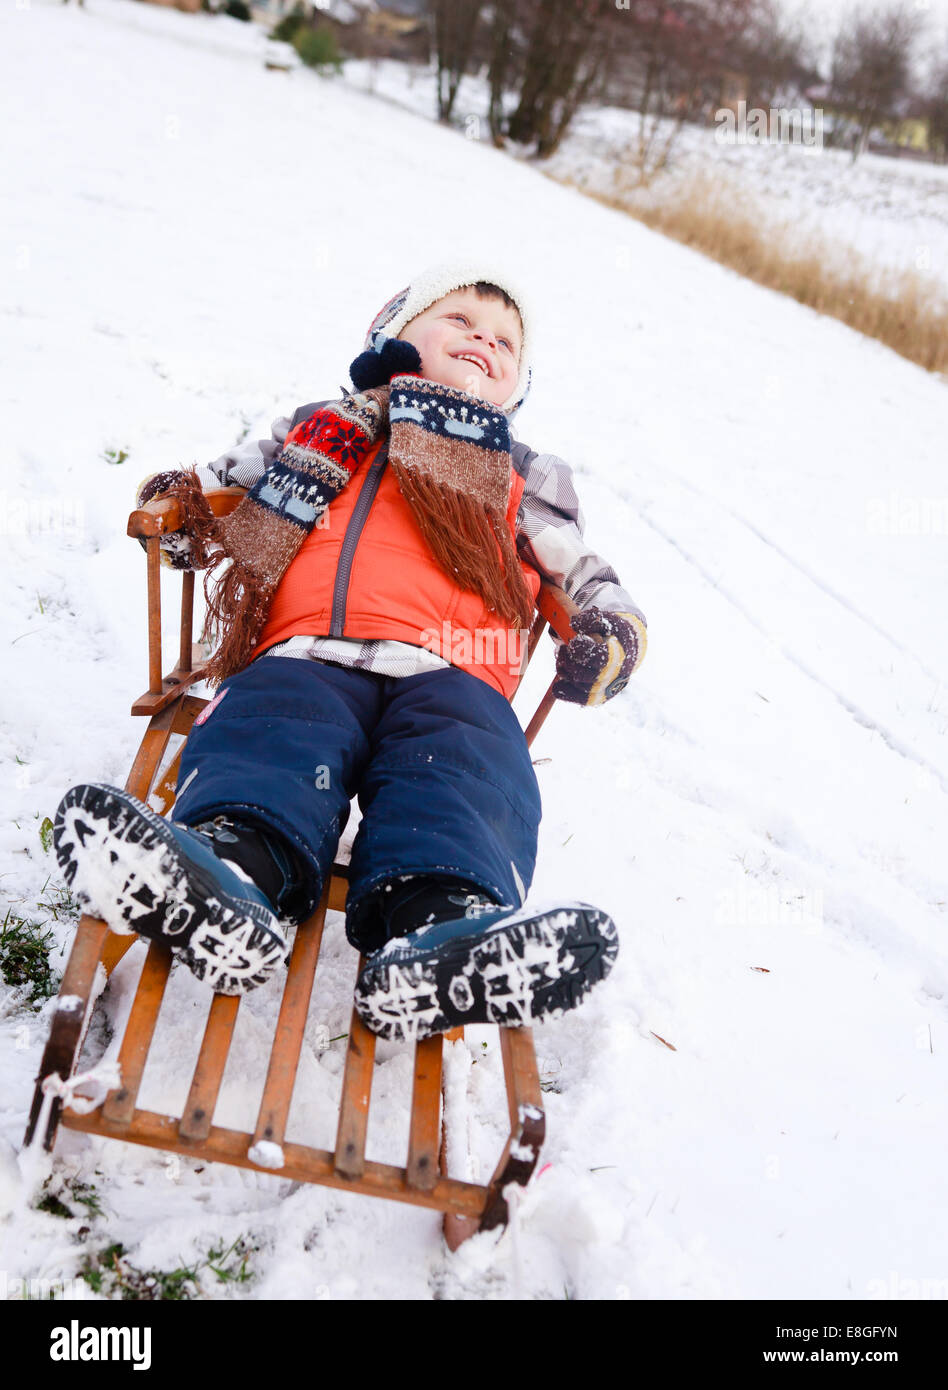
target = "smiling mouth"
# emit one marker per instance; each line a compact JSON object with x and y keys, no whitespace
{"x":475,"y":359}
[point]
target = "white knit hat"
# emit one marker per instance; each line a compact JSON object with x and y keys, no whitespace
{"x":433,"y":284}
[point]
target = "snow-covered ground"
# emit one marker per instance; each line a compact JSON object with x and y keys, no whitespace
{"x":891,"y":212}
{"x":753,"y":1106}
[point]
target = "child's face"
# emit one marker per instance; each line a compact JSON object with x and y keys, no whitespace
{"x":470,"y":343}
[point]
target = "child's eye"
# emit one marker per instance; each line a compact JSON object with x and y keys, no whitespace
{"x":463,"y":318}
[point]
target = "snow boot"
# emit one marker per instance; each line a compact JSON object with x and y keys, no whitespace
{"x":141,"y":873}
{"x":418,"y":900}
{"x":486,"y":963}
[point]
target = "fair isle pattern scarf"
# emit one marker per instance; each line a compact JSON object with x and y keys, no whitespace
{"x":450,"y":453}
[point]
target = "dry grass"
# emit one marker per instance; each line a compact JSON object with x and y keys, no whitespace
{"x":907,"y":310}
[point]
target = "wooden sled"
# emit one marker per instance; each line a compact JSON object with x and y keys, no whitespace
{"x":467,"y":1206}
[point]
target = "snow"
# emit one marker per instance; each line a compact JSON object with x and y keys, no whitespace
{"x":891,"y":212}
{"x":194,"y":246}
{"x":69,"y":1003}
{"x":266,"y":1154}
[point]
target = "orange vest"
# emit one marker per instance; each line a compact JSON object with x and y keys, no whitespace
{"x":365,"y":571}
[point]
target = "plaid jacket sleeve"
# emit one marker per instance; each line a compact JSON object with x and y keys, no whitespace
{"x":245,"y":463}
{"x":550,"y":527}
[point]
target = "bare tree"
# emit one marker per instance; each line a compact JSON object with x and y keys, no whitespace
{"x":773,"y":52}
{"x":671,"y":67}
{"x":562,"y":63}
{"x":502,"y":64}
{"x":871,"y":66}
{"x":455,"y":26}
{"x":667,"y":59}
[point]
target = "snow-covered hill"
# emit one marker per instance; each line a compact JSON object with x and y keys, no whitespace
{"x":193,"y":245}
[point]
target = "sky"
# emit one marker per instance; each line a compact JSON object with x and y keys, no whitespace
{"x":822,"y":16}
{"x":830,"y":10}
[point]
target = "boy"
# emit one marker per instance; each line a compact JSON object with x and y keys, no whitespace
{"x":376,"y":530}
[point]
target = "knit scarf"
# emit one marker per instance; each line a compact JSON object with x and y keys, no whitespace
{"x":450,"y":453}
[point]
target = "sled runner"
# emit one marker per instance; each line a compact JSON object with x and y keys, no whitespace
{"x":423,"y":1181}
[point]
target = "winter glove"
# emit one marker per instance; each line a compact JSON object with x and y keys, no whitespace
{"x":175,"y":546}
{"x":589,"y":672}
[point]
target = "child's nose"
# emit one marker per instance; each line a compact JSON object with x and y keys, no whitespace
{"x":487,"y":338}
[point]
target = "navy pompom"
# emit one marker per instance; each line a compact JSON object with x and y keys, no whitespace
{"x":374,"y":368}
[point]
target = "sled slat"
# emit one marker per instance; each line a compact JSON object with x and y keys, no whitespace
{"x":164,"y":514}
{"x":120,"y":1104}
{"x":301,"y":1164}
{"x":149,"y":754}
{"x":539,"y":718}
{"x":185,"y":653}
{"x":520,"y":1071}
{"x":153,"y":555}
{"x":338,"y":888}
{"x":556,"y":608}
{"x":284,"y":1059}
{"x":517,"y":1164}
{"x":559,"y":610}
{"x":421,"y":1171}
{"x":173,"y":686}
{"x":527,"y":1123}
{"x":536,"y":632}
{"x":356,"y":1091}
{"x":161,"y":796}
{"x":79,"y":974}
{"x":59,"y":1055}
{"x":175,"y":718}
{"x":115,"y":948}
{"x":208,"y":1074}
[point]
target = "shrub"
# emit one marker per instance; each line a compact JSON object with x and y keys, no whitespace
{"x":318,"y":48}
{"x":285,"y":31}
{"x":237,"y":9}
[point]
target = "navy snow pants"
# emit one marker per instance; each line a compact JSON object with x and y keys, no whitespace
{"x":438,"y":761}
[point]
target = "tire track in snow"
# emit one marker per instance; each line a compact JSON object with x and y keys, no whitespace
{"x":890,"y":739}
{"x":814,"y":579}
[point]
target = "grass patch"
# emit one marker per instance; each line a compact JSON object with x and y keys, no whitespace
{"x":906,"y":310}
{"x":110,"y":1274}
{"x":60,"y":1198}
{"x":24,"y":956}
{"x":25,"y":943}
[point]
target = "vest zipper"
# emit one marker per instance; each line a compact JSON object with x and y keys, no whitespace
{"x":350,"y":540}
